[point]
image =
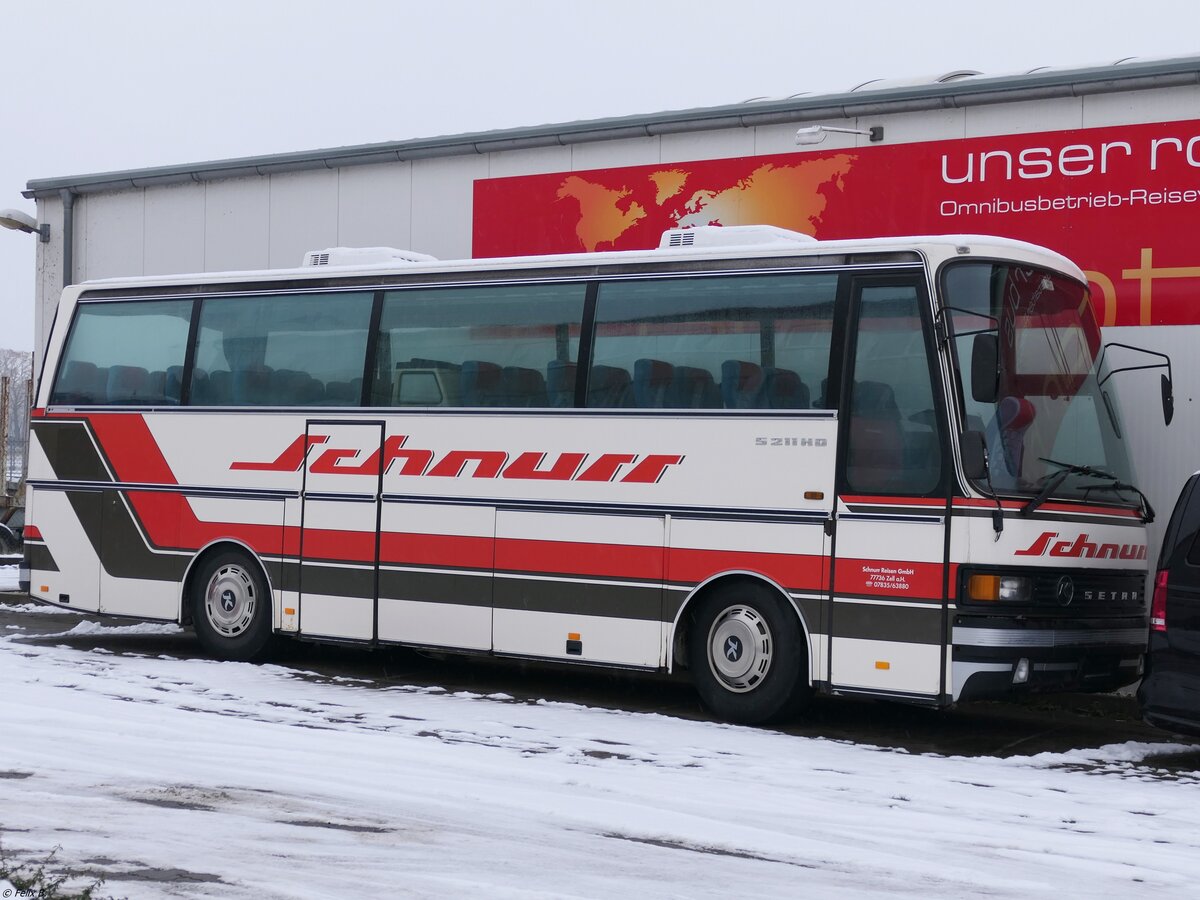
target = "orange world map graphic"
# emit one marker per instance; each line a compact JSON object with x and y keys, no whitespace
{"x":789,"y":196}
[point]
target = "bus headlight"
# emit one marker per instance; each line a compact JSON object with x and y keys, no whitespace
{"x":1000,"y":588}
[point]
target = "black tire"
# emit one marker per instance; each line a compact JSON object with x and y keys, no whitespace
{"x":747,"y":655}
{"x":9,"y":542}
{"x":231,"y":607}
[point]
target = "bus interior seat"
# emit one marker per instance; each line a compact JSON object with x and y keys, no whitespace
{"x":202,"y":390}
{"x":343,"y":393}
{"x":82,"y":382}
{"x":609,"y":387}
{"x":155,"y":390}
{"x":480,"y":383}
{"x":289,"y":387}
{"x":560,"y":382}
{"x":522,"y":387}
{"x":651,"y":383}
{"x":252,"y":387}
{"x":173,"y":384}
{"x":785,"y":389}
{"x":876,"y":451}
{"x":693,"y":388}
{"x":126,"y":384}
{"x":742,"y":385}
{"x":220,"y":388}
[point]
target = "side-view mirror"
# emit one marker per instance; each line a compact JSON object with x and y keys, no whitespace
{"x":1165,"y":385}
{"x":985,"y":368}
{"x":974,"y":454}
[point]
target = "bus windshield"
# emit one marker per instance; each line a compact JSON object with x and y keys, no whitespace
{"x":1050,"y":411}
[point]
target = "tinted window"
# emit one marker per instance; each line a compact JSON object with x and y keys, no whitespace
{"x":286,"y":350}
{"x":128,"y":353}
{"x":1049,"y":404}
{"x":892,"y":437}
{"x":752,"y":342}
{"x":503,"y":345}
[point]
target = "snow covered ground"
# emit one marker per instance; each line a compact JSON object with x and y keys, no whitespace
{"x":175,"y":777}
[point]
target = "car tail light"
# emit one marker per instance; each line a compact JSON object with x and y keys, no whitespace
{"x":1158,"y":605}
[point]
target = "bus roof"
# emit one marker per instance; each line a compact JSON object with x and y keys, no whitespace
{"x":707,"y":243}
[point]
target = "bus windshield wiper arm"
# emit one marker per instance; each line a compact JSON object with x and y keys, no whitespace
{"x":1053,"y":481}
{"x":1146,"y":509}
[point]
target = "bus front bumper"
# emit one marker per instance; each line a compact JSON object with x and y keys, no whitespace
{"x":996,"y":658}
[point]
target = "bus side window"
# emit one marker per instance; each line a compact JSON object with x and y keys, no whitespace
{"x":892,"y":443}
{"x":283,"y":350}
{"x":730,"y":341}
{"x":479,"y":346}
{"x":120,"y":354}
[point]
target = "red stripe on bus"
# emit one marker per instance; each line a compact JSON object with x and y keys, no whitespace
{"x":1117,"y":511}
{"x":578,"y":558}
{"x":127,"y":442}
{"x":894,"y":501}
{"x":435,"y":550}
{"x":170,"y":523}
{"x":786,"y":569}
{"x":347,"y":546}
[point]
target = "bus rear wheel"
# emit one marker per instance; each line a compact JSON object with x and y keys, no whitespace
{"x":231,"y":607}
{"x":747,"y":655}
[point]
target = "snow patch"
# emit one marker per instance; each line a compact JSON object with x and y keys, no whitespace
{"x":322,"y":788}
{"x":39,"y":608}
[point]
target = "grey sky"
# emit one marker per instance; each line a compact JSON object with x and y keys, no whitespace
{"x":91,"y":87}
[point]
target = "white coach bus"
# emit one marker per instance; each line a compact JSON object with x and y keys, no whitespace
{"x":884,"y":467}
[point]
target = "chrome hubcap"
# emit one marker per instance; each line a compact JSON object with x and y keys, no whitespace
{"x":230,"y":601}
{"x":739,"y":648}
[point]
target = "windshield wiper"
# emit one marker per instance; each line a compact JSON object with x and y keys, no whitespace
{"x":1147,"y":510}
{"x":1053,"y":481}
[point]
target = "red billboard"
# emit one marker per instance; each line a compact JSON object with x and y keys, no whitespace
{"x":1123,"y":202}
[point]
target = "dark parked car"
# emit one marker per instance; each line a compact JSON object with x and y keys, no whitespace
{"x":12,"y":527}
{"x":1170,"y":691}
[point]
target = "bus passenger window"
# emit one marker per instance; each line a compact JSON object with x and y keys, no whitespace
{"x":124,"y":354}
{"x":479,"y":346}
{"x":283,"y":350}
{"x":721,"y":342}
{"x":892,"y":441}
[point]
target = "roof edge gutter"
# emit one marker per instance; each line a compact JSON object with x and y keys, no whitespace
{"x":958,"y":94}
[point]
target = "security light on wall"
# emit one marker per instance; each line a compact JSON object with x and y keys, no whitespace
{"x":19,"y":221}
{"x":814,"y":134}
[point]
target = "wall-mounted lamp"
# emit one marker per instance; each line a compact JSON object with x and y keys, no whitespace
{"x":19,"y":221}
{"x":814,"y":134}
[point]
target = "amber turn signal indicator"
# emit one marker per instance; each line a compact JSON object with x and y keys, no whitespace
{"x":983,"y":587}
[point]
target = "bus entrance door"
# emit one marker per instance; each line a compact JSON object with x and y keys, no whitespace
{"x":887,"y":617}
{"x":339,"y":530}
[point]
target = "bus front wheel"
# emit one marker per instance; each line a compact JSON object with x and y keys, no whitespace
{"x":231,"y":607}
{"x":747,"y":655}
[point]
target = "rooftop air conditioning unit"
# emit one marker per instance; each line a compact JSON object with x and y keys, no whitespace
{"x":746,"y":236}
{"x":363,"y":256}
